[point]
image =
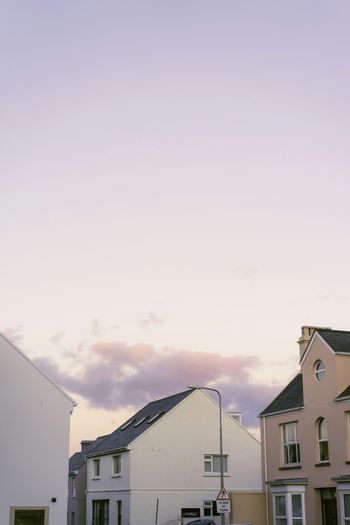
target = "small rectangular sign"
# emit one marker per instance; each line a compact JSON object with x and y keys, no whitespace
{"x":223,"y":506}
{"x":190,"y":513}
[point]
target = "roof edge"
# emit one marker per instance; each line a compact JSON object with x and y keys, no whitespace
{"x":38,"y":369}
{"x":268,"y":414}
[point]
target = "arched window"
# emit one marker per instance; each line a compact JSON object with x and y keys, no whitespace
{"x":322,"y":436}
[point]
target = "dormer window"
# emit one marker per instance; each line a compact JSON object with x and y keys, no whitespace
{"x":320,"y":370}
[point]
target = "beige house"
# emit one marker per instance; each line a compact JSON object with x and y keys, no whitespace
{"x":306,"y":436}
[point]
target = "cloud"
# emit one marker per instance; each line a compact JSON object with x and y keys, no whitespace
{"x":56,"y":338}
{"x":118,"y":376}
{"x":150,"y":320}
{"x":13,"y":334}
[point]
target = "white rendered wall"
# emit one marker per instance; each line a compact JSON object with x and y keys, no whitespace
{"x":34,"y":435}
{"x":109,"y":487}
{"x":166,"y":463}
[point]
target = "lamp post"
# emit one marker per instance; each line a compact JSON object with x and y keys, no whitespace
{"x":220,"y":437}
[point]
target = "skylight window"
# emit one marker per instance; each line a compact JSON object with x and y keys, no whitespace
{"x":153,"y":418}
{"x":127,"y":424}
{"x":139,"y":422}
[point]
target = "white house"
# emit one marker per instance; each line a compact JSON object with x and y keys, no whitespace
{"x":164,"y":464}
{"x":34,"y":435}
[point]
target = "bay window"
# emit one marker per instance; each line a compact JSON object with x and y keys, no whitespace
{"x":288,"y":505}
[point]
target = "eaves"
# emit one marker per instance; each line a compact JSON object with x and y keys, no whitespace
{"x":280,"y":412}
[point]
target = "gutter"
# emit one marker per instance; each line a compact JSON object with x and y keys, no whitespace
{"x":107,"y":452}
{"x":265,"y":473}
{"x":268,"y":414}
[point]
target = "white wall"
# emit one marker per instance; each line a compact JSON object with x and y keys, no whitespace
{"x":34,"y":435}
{"x":176,"y":445}
{"x":167,"y":463}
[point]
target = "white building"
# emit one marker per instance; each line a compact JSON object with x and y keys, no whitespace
{"x":34,"y":437}
{"x":164,"y":464}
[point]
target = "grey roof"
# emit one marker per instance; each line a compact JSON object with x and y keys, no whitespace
{"x":291,"y":398}
{"x":338,"y":340}
{"x":137,"y":424}
{"x":344,"y":395}
{"x":79,"y":458}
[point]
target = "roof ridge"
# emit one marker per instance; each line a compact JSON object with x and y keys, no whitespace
{"x":167,"y":397}
{"x":332,"y":330}
{"x":127,"y":432}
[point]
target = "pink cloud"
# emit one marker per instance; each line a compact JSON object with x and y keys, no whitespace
{"x":121,"y":375}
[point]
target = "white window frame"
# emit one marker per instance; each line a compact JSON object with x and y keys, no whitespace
{"x":74,"y":486}
{"x":209,"y":460}
{"x":96,"y":468}
{"x":343,"y":489}
{"x":345,"y":520}
{"x":321,"y":440}
{"x":320,"y":370}
{"x":116,"y":459}
{"x":286,"y":445}
{"x":288,"y":491}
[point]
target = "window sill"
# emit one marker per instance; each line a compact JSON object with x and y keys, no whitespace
{"x":323,"y":464}
{"x":290,"y":467}
{"x":215,"y":475}
{"x":116,"y":476}
{"x":96,"y":477}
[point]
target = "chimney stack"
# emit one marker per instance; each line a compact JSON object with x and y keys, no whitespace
{"x":85,"y":444}
{"x":306,"y":333}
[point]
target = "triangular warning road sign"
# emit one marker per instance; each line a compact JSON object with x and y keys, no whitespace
{"x":223,"y":494}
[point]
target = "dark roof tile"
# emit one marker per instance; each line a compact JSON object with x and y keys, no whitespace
{"x":138,"y":423}
{"x":338,"y":340}
{"x":291,"y":398}
{"x":78,"y":459}
{"x":344,"y":395}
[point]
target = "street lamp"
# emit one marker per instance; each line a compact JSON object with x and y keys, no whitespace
{"x":220,"y":433}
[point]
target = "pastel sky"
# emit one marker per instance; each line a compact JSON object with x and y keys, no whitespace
{"x":174,"y":194}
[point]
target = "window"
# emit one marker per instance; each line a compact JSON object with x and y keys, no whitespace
{"x":117,"y":464}
{"x":288,"y":506}
{"x":139,"y":422}
{"x":291,"y":447}
{"x":319,"y":370}
{"x":31,"y":515}
{"x":212,"y":464}
{"x":281,"y":510}
{"x":153,"y":418}
{"x":209,"y":508}
{"x":100,"y":512}
{"x":74,"y":485}
{"x":322,"y":436}
{"x":119,"y":512}
{"x":297,"y":509}
{"x":96,"y":468}
{"x":346,"y":508}
{"x":128,"y":423}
